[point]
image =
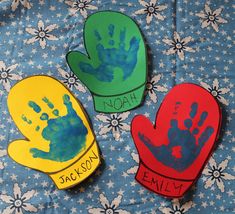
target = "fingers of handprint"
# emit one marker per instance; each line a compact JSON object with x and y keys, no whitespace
{"x":205,"y":135}
{"x":34,"y":106}
{"x":28,"y":121}
{"x":71,"y":114}
{"x":111,"y":42}
{"x":97,"y":35}
{"x":193,"y":111}
{"x":106,"y":55}
{"x":134,"y":46}
{"x":173,"y":130}
{"x":37,"y":109}
{"x":25,"y":119}
{"x":48,"y":102}
{"x":174,"y":123}
{"x":55,"y":112}
{"x":101,"y":52}
{"x":111,"y":32}
{"x":44,"y":116}
{"x":68,"y":104}
{"x":122,"y":39}
{"x":202,"y":118}
{"x":195,"y":131}
{"x":51,"y":106}
{"x":188,"y":123}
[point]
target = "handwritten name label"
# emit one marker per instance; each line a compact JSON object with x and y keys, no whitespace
{"x":160,"y":184}
{"x":79,"y":171}
{"x":120,"y":102}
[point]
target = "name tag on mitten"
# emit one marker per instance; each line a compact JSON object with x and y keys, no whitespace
{"x":59,"y":140}
{"x":174,"y":151}
{"x":115,"y":67}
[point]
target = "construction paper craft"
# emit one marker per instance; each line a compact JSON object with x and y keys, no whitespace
{"x":115,"y":68}
{"x":59,"y":140}
{"x":174,"y":151}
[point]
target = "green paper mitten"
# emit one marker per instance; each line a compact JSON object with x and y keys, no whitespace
{"x":115,"y":69}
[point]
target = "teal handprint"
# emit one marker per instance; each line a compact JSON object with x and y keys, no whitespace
{"x":184,"y":145}
{"x":121,"y":56}
{"x":66,"y":134}
{"x":114,"y":67}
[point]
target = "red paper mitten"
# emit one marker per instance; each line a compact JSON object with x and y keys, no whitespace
{"x":174,"y":151}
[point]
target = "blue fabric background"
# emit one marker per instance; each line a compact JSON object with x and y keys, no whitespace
{"x":212,"y":59}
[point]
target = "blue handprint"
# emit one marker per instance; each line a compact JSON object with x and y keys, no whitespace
{"x":66,"y":134}
{"x":182,"y":149}
{"x":111,"y":57}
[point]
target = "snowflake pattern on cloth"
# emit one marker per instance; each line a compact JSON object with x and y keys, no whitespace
{"x":179,"y":45}
{"x":187,"y":41}
{"x":18,"y":202}
{"x":6,"y":75}
{"x":210,"y":17}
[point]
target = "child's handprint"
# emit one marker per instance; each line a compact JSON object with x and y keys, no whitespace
{"x":66,"y":134}
{"x":183,"y":147}
{"x":113,"y":57}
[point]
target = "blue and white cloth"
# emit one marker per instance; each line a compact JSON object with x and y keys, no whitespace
{"x":188,"y":41}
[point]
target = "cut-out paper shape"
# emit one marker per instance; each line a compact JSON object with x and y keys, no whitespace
{"x":116,"y":66}
{"x":174,"y":151}
{"x":59,"y":140}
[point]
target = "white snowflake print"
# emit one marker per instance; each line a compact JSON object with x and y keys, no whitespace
{"x":6,"y":75}
{"x":107,"y":207}
{"x":41,"y":2}
{"x":71,"y":80}
{"x":176,"y":207}
{"x":41,"y":34}
{"x":216,"y":91}
{"x":178,"y":45}
{"x":80,"y":5}
{"x":25,"y":3}
{"x":18,"y":201}
{"x":152,"y":87}
{"x":134,"y":169}
{"x":2,"y":154}
{"x":151,"y":9}
{"x":212,"y":18}
{"x":216,"y":174}
{"x":114,"y":123}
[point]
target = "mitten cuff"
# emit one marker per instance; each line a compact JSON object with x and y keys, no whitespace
{"x":119,"y":103}
{"x":158,"y":183}
{"x":79,"y":170}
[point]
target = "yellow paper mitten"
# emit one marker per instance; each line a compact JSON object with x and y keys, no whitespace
{"x":59,"y":140}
